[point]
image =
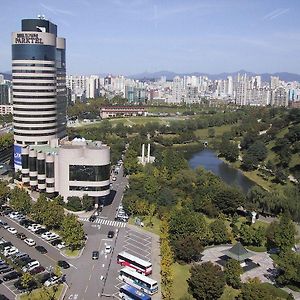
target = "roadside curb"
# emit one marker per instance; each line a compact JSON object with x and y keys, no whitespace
{"x":72,"y":257}
{"x":65,"y":288}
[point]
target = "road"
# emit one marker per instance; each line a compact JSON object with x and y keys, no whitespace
{"x":89,"y":279}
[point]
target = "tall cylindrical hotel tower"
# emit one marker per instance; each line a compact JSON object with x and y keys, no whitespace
{"x":39,"y":85}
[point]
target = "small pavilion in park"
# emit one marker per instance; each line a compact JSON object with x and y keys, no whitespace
{"x":239,"y":253}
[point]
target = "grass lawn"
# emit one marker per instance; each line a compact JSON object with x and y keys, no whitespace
{"x":203,"y":133}
{"x":180,"y":274}
{"x":257,"y":249}
{"x":71,"y":253}
{"x":229,"y":293}
{"x":155,"y":228}
{"x":41,"y":294}
{"x":274,"y":291}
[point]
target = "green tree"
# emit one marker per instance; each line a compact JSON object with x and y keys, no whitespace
{"x":258,"y":150}
{"x":20,"y":200}
{"x":250,"y":162}
{"x":72,"y":232}
{"x":4,"y":191}
{"x":254,"y":290}
{"x":289,"y":268}
{"x":232,"y":272}
{"x":219,"y":232}
{"x":187,"y":249}
{"x":87,"y":203}
{"x":207,"y":281}
{"x":284,"y":235}
{"x":131,"y":162}
{"x":74,"y":203}
{"x":39,"y":209}
{"x":26,"y":279}
{"x":54,"y":215}
{"x":228,"y":199}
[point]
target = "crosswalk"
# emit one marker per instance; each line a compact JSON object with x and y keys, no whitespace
{"x":105,"y":222}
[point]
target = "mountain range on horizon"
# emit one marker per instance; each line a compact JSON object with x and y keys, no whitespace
{"x":286,"y":76}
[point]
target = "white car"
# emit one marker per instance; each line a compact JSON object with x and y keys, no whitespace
{"x":51,"y":281}
{"x":12,"y":230}
{"x":30,"y":266}
{"x":11,"y":251}
{"x":108,"y":249}
{"x":29,"y":242}
{"x":61,"y":245}
{"x":14,"y":214}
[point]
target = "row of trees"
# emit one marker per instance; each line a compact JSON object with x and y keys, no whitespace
{"x":49,"y":213}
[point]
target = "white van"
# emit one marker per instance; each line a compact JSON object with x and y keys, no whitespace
{"x":30,"y":266}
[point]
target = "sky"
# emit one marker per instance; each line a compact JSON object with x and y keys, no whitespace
{"x":134,"y":36}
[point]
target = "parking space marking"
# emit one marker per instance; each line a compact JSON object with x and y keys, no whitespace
{"x":130,"y":250}
{"x":135,"y":241}
{"x":9,"y":288}
{"x":136,"y":247}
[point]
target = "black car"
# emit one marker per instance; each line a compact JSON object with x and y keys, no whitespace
{"x":3,"y":297}
{"x":95,"y":255}
{"x":110,"y":234}
{"x":26,"y":223}
{"x":12,"y":275}
{"x":92,"y":218}
{"x":21,"y":235}
{"x":7,"y":269}
{"x":41,"y":249}
{"x":56,"y":242}
{"x":63,"y":264}
{"x":41,"y":231}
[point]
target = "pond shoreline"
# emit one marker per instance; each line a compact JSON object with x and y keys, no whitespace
{"x":208,"y":159}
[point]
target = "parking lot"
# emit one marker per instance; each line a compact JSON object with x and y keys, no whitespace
{"x":47,"y":258}
{"x":139,"y":244}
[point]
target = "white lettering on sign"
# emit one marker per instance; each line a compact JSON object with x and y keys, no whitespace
{"x":28,"y":38}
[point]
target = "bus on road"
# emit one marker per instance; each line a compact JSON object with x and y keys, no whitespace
{"x":128,"y":292}
{"x":131,"y":261}
{"x":139,"y":281}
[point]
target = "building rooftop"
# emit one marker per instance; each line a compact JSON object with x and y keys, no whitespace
{"x":238,"y":252}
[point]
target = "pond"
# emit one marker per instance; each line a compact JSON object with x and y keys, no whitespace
{"x":210,"y":161}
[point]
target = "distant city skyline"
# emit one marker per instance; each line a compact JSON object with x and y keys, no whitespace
{"x":135,"y":36}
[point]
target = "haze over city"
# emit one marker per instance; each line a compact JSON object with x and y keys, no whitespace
{"x":129,"y":37}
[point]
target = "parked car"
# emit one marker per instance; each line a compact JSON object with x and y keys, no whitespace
{"x":3,"y":297}
{"x":21,"y":235}
{"x":37,"y":270}
{"x":12,"y":230}
{"x":56,"y":242}
{"x":95,"y":255}
{"x":7,"y":269}
{"x":42,"y":278}
{"x":52,"y":280}
{"x":30,"y":242}
{"x":26,"y":223}
{"x":63,"y":264}
{"x":30,"y":266}
{"x":41,"y":249}
{"x":11,"y":251}
{"x":41,"y":231}
{"x":12,"y":275}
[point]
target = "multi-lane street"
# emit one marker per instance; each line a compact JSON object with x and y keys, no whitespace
{"x":89,"y":279}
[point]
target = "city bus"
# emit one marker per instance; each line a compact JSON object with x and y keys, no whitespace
{"x":139,"y":281}
{"x":131,"y":261}
{"x":128,"y":292}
